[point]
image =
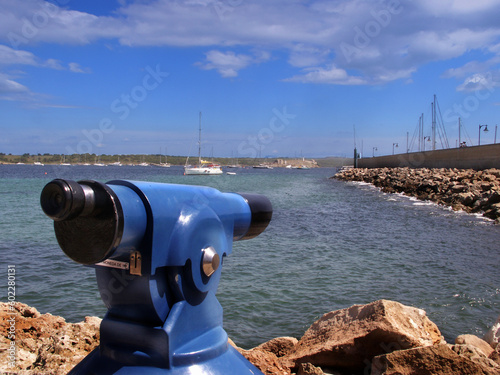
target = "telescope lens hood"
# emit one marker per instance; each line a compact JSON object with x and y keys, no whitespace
{"x":88,"y":218}
{"x":62,"y":199}
{"x":262,"y":212}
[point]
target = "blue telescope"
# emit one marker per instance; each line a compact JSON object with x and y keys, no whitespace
{"x":157,"y":250}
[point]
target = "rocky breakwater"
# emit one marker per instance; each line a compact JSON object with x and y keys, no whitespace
{"x":380,"y":338}
{"x":461,"y":189}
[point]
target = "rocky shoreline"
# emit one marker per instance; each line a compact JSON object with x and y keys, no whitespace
{"x":380,"y":338}
{"x":461,"y":189}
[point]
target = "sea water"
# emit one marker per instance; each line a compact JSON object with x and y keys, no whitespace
{"x":330,"y":245}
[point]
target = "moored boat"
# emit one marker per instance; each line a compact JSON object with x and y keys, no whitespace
{"x":203,"y":167}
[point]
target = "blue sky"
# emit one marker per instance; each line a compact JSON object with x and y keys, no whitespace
{"x":271,"y":78}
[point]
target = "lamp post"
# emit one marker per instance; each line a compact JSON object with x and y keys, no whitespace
{"x":374,"y":149}
{"x":485,"y":130}
{"x":394,"y":145}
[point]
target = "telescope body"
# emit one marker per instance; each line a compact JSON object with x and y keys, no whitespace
{"x":157,"y":250}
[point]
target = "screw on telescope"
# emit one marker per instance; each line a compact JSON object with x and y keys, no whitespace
{"x":210,"y":262}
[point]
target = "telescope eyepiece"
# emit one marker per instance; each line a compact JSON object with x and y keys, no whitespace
{"x":262,"y":212}
{"x":62,"y":199}
{"x":88,"y":218}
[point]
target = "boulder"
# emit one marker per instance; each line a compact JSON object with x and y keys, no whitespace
{"x":279,"y":346}
{"x":475,"y":341}
{"x":466,"y":199}
{"x":309,"y":369}
{"x":266,"y":362}
{"x":430,"y":360}
{"x":458,"y":188}
{"x":492,"y":337}
{"x":46,"y":344}
{"x":474,"y":354}
{"x":349,"y":338}
{"x":495,"y":356}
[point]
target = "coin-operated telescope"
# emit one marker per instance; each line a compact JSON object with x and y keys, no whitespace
{"x":157,"y":250}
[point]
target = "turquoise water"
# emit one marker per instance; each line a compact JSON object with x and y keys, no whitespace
{"x":330,"y":245}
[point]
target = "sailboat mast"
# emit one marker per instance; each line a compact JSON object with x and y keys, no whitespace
{"x":434,"y":123}
{"x":459,"y":132}
{"x":199,"y":143}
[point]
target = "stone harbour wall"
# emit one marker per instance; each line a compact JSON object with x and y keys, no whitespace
{"x":380,"y":338}
{"x":475,"y":157}
{"x":461,"y":189}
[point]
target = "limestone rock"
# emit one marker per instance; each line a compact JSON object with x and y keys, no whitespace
{"x":495,"y":356}
{"x":46,"y":344}
{"x":309,"y":369}
{"x":280,"y":346}
{"x":474,"y":354}
{"x":430,"y":360}
{"x":475,"y":341}
{"x":266,"y":362}
{"x":263,"y":357}
{"x":349,"y":338}
{"x":492,"y":337}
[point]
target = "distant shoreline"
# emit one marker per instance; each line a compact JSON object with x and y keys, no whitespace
{"x":161,"y":160}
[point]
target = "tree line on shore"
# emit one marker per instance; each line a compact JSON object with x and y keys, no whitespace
{"x":134,"y":159}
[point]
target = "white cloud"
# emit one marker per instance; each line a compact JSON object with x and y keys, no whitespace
{"x":478,"y":82}
{"x":465,"y":7}
{"x":10,"y":56}
{"x":53,"y":64}
{"x":9,"y":86}
{"x":10,"y":89}
{"x":228,"y":63}
{"x":472,"y":67}
{"x":76,"y":68}
{"x":398,"y":36}
{"x":302,"y":55}
{"x":330,"y":75}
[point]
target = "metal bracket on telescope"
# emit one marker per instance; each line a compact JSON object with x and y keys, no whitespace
{"x":157,"y":250}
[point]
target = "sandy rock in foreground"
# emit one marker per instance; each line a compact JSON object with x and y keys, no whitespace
{"x":373,"y":337}
{"x":431,"y":360}
{"x":45,"y":344}
{"x":349,"y":338}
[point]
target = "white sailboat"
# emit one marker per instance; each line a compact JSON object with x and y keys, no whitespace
{"x":203,"y":167}
{"x":166,"y":164}
{"x":63,"y":161}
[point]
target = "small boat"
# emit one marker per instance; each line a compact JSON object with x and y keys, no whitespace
{"x":98,"y":162}
{"x":263,"y":166}
{"x":38,"y":162}
{"x":116,"y":163}
{"x":203,"y":168}
{"x":231,"y":173}
{"x":63,"y":161}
